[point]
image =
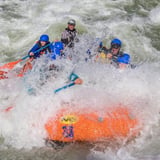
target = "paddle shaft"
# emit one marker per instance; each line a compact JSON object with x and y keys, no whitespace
{"x":64,"y":87}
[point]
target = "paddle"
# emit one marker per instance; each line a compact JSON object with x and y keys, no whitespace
{"x":64,"y":87}
{"x":11,"y":65}
{"x":7,"y":109}
{"x":75,"y":80}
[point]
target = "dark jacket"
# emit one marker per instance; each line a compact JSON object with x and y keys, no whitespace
{"x":68,"y":37}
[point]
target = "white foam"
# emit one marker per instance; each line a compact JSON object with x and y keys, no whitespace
{"x":155,"y":15}
{"x":103,"y":85}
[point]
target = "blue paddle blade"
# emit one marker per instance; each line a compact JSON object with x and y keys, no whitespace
{"x":73,"y":77}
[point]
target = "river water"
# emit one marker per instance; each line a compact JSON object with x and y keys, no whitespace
{"x":135,"y":22}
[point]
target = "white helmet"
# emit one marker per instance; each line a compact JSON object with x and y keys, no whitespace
{"x":72,"y":21}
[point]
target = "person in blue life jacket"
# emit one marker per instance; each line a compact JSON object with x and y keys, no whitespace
{"x":42,"y":46}
{"x":114,"y":54}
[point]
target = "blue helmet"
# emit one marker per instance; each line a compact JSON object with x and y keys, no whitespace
{"x":44,"y":38}
{"x":116,"y":42}
{"x":125,"y":58}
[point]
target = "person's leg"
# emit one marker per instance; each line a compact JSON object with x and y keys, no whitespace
{"x":26,"y":67}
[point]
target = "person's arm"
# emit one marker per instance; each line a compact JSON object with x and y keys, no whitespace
{"x":32,"y":50}
{"x":64,"y":38}
{"x":65,"y":41}
{"x":105,"y":53}
{"x":109,"y":54}
{"x":76,"y":39}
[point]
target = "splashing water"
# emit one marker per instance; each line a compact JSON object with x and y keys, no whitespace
{"x":134,"y":22}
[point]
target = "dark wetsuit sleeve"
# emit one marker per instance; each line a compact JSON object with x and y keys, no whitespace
{"x":65,"y":41}
{"x":65,"y":37}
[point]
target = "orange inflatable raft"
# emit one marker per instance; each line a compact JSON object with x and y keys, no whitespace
{"x":69,"y":126}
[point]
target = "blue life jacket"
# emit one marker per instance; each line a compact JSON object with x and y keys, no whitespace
{"x":56,"y":49}
{"x":124,"y":58}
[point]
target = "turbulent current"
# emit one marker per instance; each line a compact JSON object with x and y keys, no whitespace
{"x":135,"y":22}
